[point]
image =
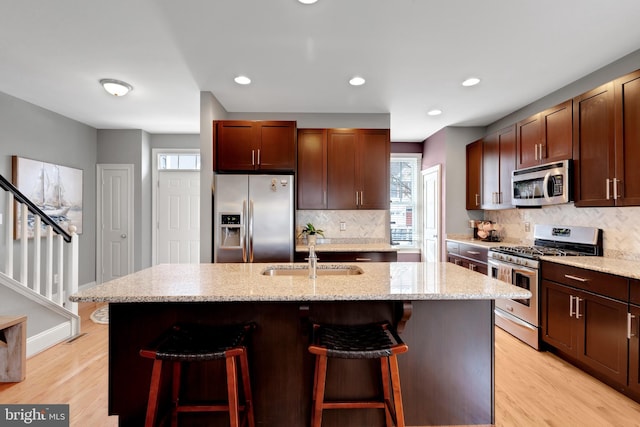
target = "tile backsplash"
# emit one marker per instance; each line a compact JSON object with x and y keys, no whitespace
{"x":621,"y":226}
{"x":369,"y":225}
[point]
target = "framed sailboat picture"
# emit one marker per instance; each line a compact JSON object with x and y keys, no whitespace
{"x":55,"y":189}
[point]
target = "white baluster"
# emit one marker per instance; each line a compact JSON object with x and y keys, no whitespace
{"x":60,"y":251}
{"x":72,"y":270}
{"x":24,"y":248}
{"x":8,"y":234}
{"x":48,"y":277}
{"x":37,"y":234}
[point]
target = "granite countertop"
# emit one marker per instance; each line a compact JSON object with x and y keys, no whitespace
{"x":245,"y":282}
{"x":349,"y":247}
{"x":619,"y":267}
{"x":482,"y":243}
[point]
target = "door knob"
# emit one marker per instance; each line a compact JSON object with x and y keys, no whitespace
{"x":124,"y":236}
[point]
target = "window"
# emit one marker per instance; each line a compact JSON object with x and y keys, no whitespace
{"x":178,"y":161}
{"x":405,"y":199}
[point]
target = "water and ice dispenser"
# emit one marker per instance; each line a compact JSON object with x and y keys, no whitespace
{"x":230,"y":230}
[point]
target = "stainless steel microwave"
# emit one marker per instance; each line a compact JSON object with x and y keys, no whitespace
{"x":547,"y":184}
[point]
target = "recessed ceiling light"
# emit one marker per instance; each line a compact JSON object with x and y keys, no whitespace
{"x":356,"y":81}
{"x":116,"y":87}
{"x":471,"y":81}
{"x":307,"y":1}
{"x":242,"y":80}
{"x":434,"y":112}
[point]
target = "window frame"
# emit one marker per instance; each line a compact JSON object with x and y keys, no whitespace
{"x":416,"y":204}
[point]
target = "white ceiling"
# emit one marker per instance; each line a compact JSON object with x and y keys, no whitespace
{"x":413,"y":53}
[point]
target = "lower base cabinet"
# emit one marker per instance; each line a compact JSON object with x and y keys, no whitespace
{"x":634,"y":350}
{"x":345,"y":256}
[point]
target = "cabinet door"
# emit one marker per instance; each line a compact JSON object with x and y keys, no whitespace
{"x":507,"y":153}
{"x":593,"y":144}
{"x":490,"y":171}
{"x":236,"y":145}
{"x":634,"y":349}
{"x":312,"y":169}
{"x":557,"y":324}
{"x":277,"y":150}
{"x":474,"y":174}
{"x":627,"y":99}
{"x":602,"y":338}
{"x":557,"y":132}
{"x":373,"y":162}
{"x":341,"y":173}
{"x":528,"y":135}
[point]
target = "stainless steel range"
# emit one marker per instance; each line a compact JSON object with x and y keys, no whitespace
{"x":519,"y":266}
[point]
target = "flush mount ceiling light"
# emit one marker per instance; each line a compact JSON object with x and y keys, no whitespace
{"x":116,"y":87}
{"x":307,"y":1}
{"x":356,"y":81}
{"x":242,"y":80}
{"x":471,"y":81}
{"x":434,"y":112}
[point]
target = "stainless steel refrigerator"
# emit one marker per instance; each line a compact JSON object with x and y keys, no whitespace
{"x":253,"y":218}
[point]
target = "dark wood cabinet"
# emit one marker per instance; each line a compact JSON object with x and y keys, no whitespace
{"x":312,"y":169}
{"x":633,"y":333}
{"x":468,"y":256}
{"x":594,"y":147}
{"x":243,"y":145}
{"x":584,"y":316}
{"x":545,"y":137}
{"x":498,"y":162}
{"x":358,"y":168}
{"x":350,"y":256}
{"x":626,"y":180}
{"x":474,"y":175}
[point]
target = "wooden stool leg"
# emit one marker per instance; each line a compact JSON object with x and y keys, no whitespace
{"x":246,"y":385}
{"x":175,"y":392}
{"x":154,"y":391}
{"x":397,"y":393}
{"x":232,"y":391}
{"x":384,"y":368}
{"x":318,"y":390}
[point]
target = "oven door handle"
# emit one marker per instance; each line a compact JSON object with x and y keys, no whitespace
{"x":545,"y":186}
{"x":514,"y":320}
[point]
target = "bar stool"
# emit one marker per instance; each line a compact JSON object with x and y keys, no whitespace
{"x":370,"y":341}
{"x":200,"y":343}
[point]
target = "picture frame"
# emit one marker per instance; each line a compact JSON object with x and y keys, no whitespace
{"x":55,"y":189}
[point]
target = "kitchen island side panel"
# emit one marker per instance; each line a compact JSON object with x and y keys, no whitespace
{"x":447,"y":375}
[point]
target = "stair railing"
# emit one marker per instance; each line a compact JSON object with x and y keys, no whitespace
{"x":63,"y":279}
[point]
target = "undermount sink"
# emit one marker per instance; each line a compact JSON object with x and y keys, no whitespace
{"x":303,"y":270}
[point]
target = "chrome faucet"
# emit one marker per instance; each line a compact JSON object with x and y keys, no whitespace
{"x":313,"y":262}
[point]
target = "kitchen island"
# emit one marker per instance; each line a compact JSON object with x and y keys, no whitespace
{"x":443,"y":312}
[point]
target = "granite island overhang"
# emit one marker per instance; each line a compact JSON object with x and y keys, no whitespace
{"x":444,"y":313}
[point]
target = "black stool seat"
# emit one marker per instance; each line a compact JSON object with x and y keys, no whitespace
{"x":197,"y":343}
{"x":368,"y":341}
{"x":183,"y":343}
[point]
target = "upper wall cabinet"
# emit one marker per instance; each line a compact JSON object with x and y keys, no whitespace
{"x":498,"y":162}
{"x":243,"y":145}
{"x":474,"y":175}
{"x":545,"y":137}
{"x":607,"y":144}
{"x":343,"y":168}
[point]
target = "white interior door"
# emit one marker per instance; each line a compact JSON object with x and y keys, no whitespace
{"x":431,"y":231}
{"x":115,"y":221}
{"x":178,"y":217}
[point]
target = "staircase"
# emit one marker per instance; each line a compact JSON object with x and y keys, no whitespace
{"x":40,"y":271}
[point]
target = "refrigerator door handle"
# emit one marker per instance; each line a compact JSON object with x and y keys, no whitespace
{"x":250,"y":230}
{"x":244,"y":234}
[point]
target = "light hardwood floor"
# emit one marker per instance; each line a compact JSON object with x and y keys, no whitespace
{"x":532,"y":388}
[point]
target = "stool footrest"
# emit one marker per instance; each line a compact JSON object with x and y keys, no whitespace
{"x":352,"y":405}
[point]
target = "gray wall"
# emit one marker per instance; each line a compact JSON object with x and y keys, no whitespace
{"x":33,"y":132}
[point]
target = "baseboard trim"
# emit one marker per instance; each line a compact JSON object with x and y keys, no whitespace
{"x":48,"y":338}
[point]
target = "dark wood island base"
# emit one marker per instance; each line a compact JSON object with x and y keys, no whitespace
{"x":447,"y":377}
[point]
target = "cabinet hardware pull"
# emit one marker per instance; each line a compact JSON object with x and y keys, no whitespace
{"x":324,"y":198}
{"x":630,"y":317}
{"x":541,"y":145}
{"x":477,"y":197}
{"x":608,"y":191}
{"x":615,"y":188}
{"x":253,"y":157}
{"x":361,"y":198}
{"x":472,"y":267}
{"x":258,"y":156}
{"x":357,"y":199}
{"x":456,"y":261}
{"x":473,"y":252}
{"x":535,"y":152}
{"x":363,"y":259}
{"x":578,"y":300}
{"x":579,"y":279}
{"x":570,"y":305}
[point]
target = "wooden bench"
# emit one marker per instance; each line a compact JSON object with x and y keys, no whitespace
{"x":13,"y":348}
